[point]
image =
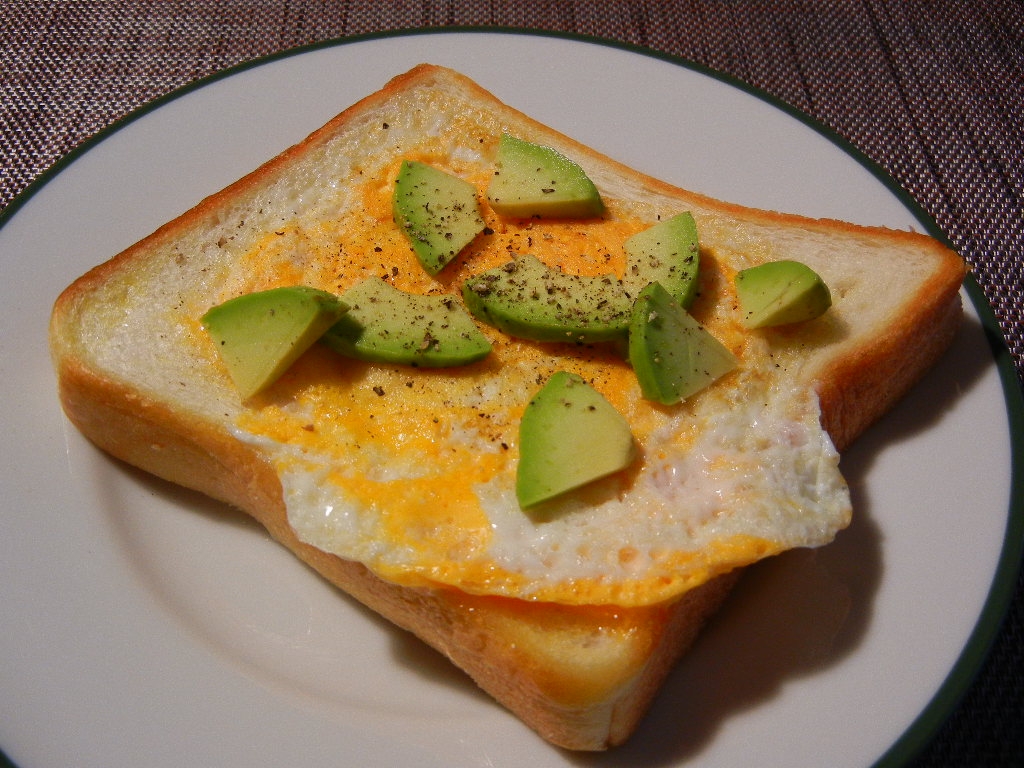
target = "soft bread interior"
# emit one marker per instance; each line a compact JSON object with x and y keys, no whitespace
{"x":582,"y":676}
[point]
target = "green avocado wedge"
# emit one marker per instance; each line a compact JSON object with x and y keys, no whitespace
{"x":528,"y":299}
{"x":438,"y":213}
{"x":780,"y":293}
{"x":536,"y":181}
{"x":667,"y":253}
{"x":569,"y":436}
{"x":387,"y":325}
{"x":672,"y":354}
{"x":259,"y":335}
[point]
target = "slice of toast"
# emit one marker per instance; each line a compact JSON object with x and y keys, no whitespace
{"x":137,"y":379}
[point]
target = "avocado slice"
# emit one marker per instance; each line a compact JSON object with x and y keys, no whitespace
{"x":259,"y":335}
{"x":672,"y":354}
{"x":387,"y":325}
{"x":536,"y":181}
{"x":528,"y":299}
{"x":438,"y":213}
{"x":779,"y":293}
{"x":570,"y":435}
{"x":668,"y":253}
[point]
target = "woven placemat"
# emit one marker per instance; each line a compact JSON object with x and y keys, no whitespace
{"x":932,"y":91}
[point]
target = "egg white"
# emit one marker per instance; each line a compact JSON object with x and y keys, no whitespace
{"x":742,"y":473}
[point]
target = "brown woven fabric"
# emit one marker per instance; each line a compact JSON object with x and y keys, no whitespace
{"x":932,"y":91}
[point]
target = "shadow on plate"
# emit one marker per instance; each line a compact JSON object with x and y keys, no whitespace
{"x":803,"y":611}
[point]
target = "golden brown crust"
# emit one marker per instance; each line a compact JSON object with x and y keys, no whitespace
{"x":529,"y":656}
{"x":526,"y":655}
{"x":580,"y":676}
{"x":866,"y":383}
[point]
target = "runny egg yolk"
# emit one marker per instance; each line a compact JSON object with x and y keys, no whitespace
{"x":411,"y":471}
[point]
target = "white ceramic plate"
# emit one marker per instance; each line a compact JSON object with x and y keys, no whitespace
{"x":143,"y":625}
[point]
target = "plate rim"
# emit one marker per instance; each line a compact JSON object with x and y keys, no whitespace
{"x":1002,"y":588}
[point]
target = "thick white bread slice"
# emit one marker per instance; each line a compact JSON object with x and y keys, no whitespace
{"x":130,"y":378}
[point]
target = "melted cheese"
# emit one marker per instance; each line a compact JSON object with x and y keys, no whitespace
{"x":411,"y":471}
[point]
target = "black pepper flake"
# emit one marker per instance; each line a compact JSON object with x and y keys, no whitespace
{"x":379,"y":390}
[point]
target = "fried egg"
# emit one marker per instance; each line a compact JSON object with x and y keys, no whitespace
{"x":412,"y":471}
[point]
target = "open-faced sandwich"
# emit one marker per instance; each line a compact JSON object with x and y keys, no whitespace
{"x":523,"y":401}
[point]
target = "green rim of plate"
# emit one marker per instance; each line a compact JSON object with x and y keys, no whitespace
{"x":963,"y":673}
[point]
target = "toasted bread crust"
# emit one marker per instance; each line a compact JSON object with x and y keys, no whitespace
{"x":868,"y":383}
{"x":529,"y":656}
{"x":526,"y":655}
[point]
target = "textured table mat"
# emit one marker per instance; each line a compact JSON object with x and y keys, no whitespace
{"x":932,"y":91}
